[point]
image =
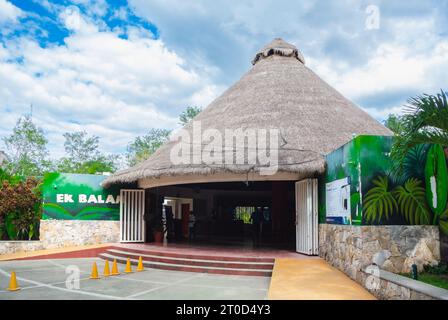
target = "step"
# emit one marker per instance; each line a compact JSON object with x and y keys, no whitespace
{"x":194,"y":262}
{"x":188,"y":268}
{"x":201,"y":255}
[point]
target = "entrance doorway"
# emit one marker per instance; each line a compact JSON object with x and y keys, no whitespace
{"x":268,"y":214}
{"x":238,"y":214}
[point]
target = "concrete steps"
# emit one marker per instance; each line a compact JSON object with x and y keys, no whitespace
{"x":249,"y":266}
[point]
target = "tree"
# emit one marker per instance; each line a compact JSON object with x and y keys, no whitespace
{"x":80,"y":147}
{"x":83,"y":155}
{"x":425,"y":121}
{"x":188,"y":114}
{"x":142,"y":147}
{"x":27,"y":149}
{"x":394,"y":123}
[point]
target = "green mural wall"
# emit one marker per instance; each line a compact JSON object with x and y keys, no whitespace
{"x":378,"y":193}
{"x":79,"y":197}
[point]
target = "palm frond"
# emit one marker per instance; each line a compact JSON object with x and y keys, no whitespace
{"x":379,"y":201}
{"x":411,"y":199}
{"x":425,"y":121}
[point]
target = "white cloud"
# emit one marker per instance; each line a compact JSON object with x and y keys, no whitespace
{"x":8,"y":12}
{"x":118,"y":87}
{"x":404,"y":64}
{"x":391,"y":68}
{"x":112,"y":87}
{"x":407,"y":55}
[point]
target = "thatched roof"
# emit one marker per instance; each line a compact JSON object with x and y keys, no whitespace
{"x":278,"y":92}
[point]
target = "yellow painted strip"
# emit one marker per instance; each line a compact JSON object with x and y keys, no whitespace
{"x":20,"y":255}
{"x":312,"y":279}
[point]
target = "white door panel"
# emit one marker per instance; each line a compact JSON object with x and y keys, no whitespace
{"x":132,"y":209}
{"x":307,"y":217}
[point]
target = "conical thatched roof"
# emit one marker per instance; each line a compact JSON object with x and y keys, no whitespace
{"x":278,"y":92}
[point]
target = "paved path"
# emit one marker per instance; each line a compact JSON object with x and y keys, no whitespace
{"x":312,"y":279}
{"x":46,"y":279}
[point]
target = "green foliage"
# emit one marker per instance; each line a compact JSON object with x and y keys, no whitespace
{"x":394,"y":123}
{"x":412,"y":202}
{"x":244,"y":214}
{"x":443,"y":222}
{"x":83,"y":155}
{"x":425,"y":121}
{"x":441,"y":268}
{"x":379,"y":201}
{"x":21,"y":209}
{"x":27,"y":149}
{"x":189,"y":113}
{"x":412,"y":166}
{"x":142,"y":147}
{"x":80,"y":147}
{"x":11,"y":179}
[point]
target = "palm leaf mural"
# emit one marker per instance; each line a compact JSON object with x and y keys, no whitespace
{"x":98,"y":213}
{"x":412,"y":202}
{"x":443,"y":222}
{"x":55,"y":211}
{"x":379,"y":201}
{"x":415,"y":160}
{"x":413,"y":165}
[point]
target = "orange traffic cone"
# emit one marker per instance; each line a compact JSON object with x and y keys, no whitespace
{"x":115,"y":271}
{"x":94,"y":274}
{"x":13,"y":285}
{"x":140,"y":264}
{"x":128,"y":266}
{"x":106,"y":272}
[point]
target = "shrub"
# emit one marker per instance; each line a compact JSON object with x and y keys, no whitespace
{"x":441,"y":268}
{"x":21,"y":202}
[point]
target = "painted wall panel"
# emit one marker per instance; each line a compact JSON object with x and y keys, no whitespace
{"x":379,"y":193}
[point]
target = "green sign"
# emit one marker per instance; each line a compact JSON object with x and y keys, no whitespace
{"x":79,"y":197}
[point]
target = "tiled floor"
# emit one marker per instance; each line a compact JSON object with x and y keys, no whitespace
{"x":46,"y":279}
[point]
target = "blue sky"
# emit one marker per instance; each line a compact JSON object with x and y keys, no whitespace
{"x":117,"y":68}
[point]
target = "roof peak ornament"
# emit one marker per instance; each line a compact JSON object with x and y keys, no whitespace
{"x":281,"y":48}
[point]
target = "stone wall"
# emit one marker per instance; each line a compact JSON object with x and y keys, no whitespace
{"x":392,"y":248}
{"x":67,"y":233}
{"x":7,"y":247}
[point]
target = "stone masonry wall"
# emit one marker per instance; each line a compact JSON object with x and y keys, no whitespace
{"x":392,"y":248}
{"x":66,"y":233}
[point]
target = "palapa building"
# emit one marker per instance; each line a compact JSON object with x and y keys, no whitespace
{"x":279,"y":160}
{"x":278,"y":93}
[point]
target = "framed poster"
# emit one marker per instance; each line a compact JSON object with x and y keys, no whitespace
{"x":337,"y":195}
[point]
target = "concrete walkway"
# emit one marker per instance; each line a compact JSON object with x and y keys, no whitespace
{"x":53,"y":279}
{"x":312,"y":279}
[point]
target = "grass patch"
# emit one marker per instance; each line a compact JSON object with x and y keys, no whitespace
{"x":434,"y":275}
